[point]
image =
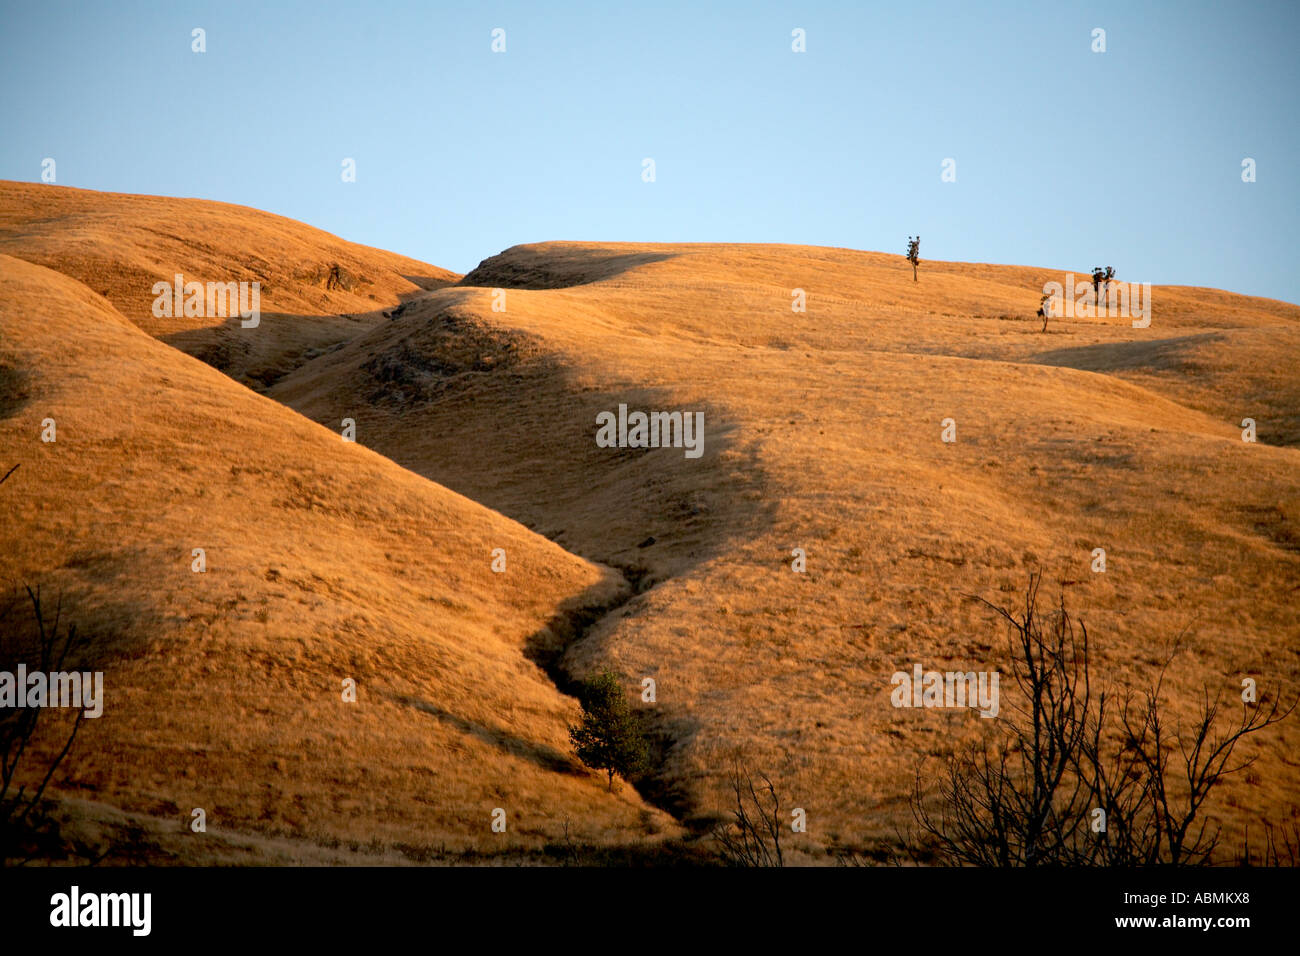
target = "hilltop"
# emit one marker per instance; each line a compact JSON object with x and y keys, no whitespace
{"x":475,"y":401}
{"x":316,"y":290}
{"x":823,"y":431}
{"x":323,"y":562}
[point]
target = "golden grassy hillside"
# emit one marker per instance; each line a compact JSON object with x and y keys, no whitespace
{"x":316,"y":290}
{"x":823,"y":432}
{"x":324,"y":561}
{"x":476,"y":405}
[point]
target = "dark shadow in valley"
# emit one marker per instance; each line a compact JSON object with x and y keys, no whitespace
{"x":547,"y":648}
{"x":259,"y":356}
{"x":500,"y":417}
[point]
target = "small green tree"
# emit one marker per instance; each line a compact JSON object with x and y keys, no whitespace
{"x":610,"y":737}
{"x":914,"y":254}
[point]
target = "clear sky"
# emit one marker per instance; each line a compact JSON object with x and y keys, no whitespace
{"x":1065,"y":158}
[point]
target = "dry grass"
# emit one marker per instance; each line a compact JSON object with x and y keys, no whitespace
{"x":317,"y":290}
{"x":822,"y":431}
{"x":325,"y":561}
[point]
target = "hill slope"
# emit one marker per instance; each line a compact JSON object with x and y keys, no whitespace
{"x":324,"y":561}
{"x":316,"y":290}
{"x":823,"y":431}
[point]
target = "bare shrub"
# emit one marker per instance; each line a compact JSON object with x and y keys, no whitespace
{"x":25,"y":828}
{"x":753,"y":837}
{"x":1082,"y":777}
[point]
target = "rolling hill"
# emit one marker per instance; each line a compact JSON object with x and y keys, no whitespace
{"x":324,"y":562}
{"x":477,"y":405}
{"x":315,"y":290}
{"x":823,"y":431}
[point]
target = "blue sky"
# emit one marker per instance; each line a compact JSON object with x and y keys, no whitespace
{"x":1065,"y":158}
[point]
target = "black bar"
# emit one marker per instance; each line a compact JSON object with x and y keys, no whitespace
{"x":441,"y":905}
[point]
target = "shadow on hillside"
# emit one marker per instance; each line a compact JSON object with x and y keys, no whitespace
{"x":547,"y":758}
{"x":1157,"y":355}
{"x":426,"y":284}
{"x":497,"y":415}
{"x":1228,"y":374}
{"x":13,"y":391}
{"x":524,"y":268}
{"x":260,"y":356}
{"x":105,"y":633}
{"x":69,"y":588}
